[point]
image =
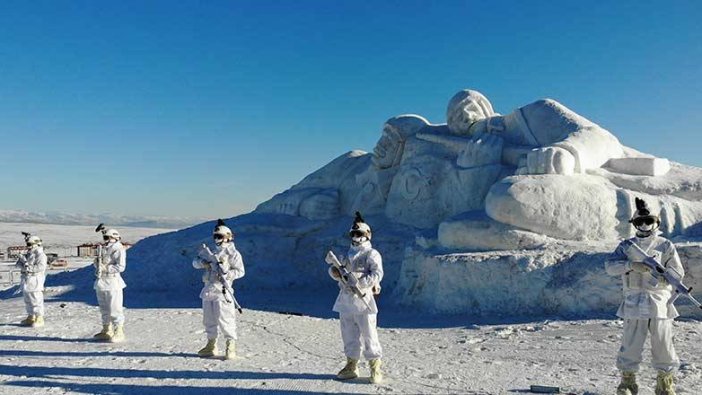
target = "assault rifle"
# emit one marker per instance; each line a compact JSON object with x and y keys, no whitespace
{"x":207,"y":255}
{"x":99,"y":264}
{"x":670,"y":275}
{"x":344,"y":276}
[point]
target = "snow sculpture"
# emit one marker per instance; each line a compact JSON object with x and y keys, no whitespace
{"x":483,"y":214}
{"x":541,"y":168}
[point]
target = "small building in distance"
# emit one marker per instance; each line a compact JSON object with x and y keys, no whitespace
{"x":87,"y":249}
{"x":13,"y":252}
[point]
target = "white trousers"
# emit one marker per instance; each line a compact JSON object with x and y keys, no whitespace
{"x":34,"y":302}
{"x":111,"y":308}
{"x":357,"y":330}
{"x":663,"y":353}
{"x":219,"y":315}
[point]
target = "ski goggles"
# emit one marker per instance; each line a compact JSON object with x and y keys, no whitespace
{"x":644,"y":221}
{"x":356,"y":233}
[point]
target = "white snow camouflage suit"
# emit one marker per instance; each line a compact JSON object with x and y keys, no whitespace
{"x":645,"y":308}
{"x":218,"y":314}
{"x":358,"y":322}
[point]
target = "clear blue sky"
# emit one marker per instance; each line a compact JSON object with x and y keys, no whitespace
{"x":190,"y":108}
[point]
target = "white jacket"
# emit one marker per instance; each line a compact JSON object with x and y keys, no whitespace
{"x":366,"y":264}
{"x":233,"y":266}
{"x":645,"y":296}
{"x":33,"y":265}
{"x":114,"y":261}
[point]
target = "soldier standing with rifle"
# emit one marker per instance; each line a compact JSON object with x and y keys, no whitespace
{"x":110,"y":262}
{"x":219,"y":305}
{"x":648,"y":301}
{"x":359,"y":279}
{"x":32,"y":265}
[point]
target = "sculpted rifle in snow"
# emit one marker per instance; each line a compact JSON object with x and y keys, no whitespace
{"x":207,"y":255}
{"x":670,"y":275}
{"x":344,"y":276}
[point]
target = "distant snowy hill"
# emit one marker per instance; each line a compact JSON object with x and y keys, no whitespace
{"x":60,"y":218}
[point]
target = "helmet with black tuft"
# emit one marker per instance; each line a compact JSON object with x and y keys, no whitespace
{"x":222,"y":233}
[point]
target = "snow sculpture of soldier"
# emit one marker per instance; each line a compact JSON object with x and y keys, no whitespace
{"x":32,"y":265}
{"x":219,"y":308}
{"x":645,"y":308}
{"x":358,"y":317}
{"x":109,"y":285}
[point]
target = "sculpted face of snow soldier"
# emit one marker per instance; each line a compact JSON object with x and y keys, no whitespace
{"x":647,"y":307}
{"x":359,"y":275}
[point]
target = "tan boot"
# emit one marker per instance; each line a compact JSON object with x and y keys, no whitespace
{"x":230,"y":352}
{"x":118,"y":336}
{"x":376,"y":375}
{"x":628,"y":384}
{"x":665,"y":384}
{"x":27,"y":321}
{"x":350,"y":371}
{"x":210,"y":349}
{"x":105,"y":334}
{"x":38,"y":322}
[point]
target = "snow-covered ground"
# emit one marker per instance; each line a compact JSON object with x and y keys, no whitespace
{"x":281,"y":353}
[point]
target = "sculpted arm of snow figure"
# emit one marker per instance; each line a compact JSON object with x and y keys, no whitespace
{"x":569,"y":142}
{"x":119,"y":261}
{"x":375,"y":272}
{"x":617,"y":262}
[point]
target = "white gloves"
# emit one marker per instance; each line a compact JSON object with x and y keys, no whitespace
{"x":329,"y":258}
